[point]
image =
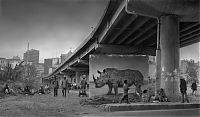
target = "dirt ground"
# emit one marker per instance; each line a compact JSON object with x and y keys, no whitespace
{"x":45,"y":105}
{"x":48,"y":105}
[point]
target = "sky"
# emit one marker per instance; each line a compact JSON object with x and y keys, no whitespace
{"x":50,"y":26}
{"x":53,"y":26}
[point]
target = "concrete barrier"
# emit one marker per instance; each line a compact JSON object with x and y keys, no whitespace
{"x":147,"y":106}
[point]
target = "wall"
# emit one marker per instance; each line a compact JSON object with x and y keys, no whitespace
{"x":100,"y":62}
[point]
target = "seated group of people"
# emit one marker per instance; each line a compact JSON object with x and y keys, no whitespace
{"x":42,"y":90}
{"x":160,"y":97}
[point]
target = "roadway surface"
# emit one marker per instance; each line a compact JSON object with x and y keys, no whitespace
{"x":152,"y":113}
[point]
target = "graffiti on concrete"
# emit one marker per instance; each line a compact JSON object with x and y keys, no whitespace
{"x":115,"y":78}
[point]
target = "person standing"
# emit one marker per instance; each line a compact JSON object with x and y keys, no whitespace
{"x":125,"y":95}
{"x":194,"y":88}
{"x":83,"y":83}
{"x":183,"y":89}
{"x":64,"y":86}
{"x":56,"y":86}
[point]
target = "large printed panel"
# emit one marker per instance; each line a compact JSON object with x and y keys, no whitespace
{"x":118,"y":67}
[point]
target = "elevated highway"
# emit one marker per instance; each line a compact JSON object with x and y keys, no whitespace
{"x":140,"y":27}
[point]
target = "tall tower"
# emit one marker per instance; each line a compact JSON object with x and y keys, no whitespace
{"x":28,"y":47}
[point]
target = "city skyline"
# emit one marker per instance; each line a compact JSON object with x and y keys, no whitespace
{"x":51,"y":26}
{"x":54,"y":26}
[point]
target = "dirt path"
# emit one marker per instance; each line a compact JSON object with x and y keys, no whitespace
{"x":45,"y":105}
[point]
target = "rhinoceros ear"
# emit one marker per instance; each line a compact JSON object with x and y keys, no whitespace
{"x":98,"y":72}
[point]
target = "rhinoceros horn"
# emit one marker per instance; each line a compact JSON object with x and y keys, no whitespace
{"x":98,"y":72}
{"x":94,"y":78}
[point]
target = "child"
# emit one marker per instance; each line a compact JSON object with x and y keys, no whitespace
{"x":125,"y":95}
{"x":194,"y":88}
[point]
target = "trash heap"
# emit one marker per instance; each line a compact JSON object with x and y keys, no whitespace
{"x":106,"y":99}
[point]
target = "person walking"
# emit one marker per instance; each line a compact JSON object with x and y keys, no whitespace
{"x":183,"y":89}
{"x":194,"y":88}
{"x":125,"y":95}
{"x":56,"y":86}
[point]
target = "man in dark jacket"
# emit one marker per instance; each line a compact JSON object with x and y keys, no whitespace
{"x":55,"y":86}
{"x":183,"y":89}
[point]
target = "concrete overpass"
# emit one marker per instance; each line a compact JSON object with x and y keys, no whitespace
{"x":148,"y":27}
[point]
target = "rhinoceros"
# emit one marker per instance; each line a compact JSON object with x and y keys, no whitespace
{"x":115,"y":78}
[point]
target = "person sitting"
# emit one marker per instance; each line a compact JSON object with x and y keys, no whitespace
{"x":145,"y":96}
{"x":6,"y":89}
{"x":41,"y":90}
{"x":161,"y":96}
{"x":46,"y":88}
{"x":27,"y":90}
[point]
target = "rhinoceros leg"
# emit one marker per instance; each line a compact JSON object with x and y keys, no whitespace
{"x":138,"y":89}
{"x":115,"y":86}
{"x":109,"y":88}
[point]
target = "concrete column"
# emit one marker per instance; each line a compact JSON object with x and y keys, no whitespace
{"x":158,"y":60}
{"x":169,"y":43}
{"x":78,"y":74}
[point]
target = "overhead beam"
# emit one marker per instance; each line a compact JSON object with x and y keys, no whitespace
{"x":87,"y":51}
{"x":190,"y":41}
{"x":84,"y":62}
{"x":124,"y":27}
{"x":115,"y":20}
{"x":75,"y":68}
{"x":191,"y":26}
{"x":148,"y":51}
{"x":78,"y":68}
{"x":146,"y":37}
{"x":189,"y":32}
{"x":142,"y":32}
{"x":74,"y":63}
{"x":190,"y":36}
{"x":116,"y":49}
{"x":137,"y":24}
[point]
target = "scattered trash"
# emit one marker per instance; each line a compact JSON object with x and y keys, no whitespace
{"x":106,"y":99}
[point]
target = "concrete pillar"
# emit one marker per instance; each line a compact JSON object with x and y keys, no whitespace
{"x":78,"y":74}
{"x":158,"y":60}
{"x":169,"y":43}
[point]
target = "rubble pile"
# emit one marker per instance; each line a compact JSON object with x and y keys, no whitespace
{"x":106,"y":99}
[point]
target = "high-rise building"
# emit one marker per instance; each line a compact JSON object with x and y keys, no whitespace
{"x":13,"y":62}
{"x":50,"y":65}
{"x":3,"y":63}
{"x":39,"y":69}
{"x":64,"y":57}
{"x":16,"y":57}
{"x":32,"y":56}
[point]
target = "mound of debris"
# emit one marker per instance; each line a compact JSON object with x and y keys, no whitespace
{"x":106,"y":99}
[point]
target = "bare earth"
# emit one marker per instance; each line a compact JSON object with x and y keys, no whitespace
{"x":45,"y":105}
{"x":48,"y":105}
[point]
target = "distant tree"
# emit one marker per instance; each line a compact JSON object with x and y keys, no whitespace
{"x":192,"y":71}
{"x":30,"y":76}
